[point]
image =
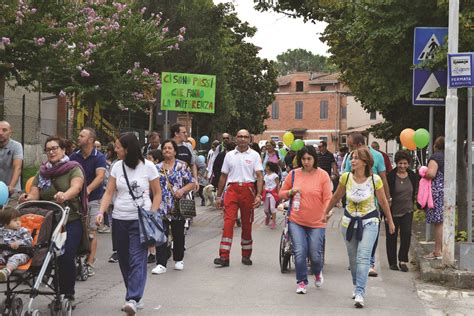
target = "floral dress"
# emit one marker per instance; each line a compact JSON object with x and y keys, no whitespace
{"x":435,"y":214}
{"x":171,"y":181}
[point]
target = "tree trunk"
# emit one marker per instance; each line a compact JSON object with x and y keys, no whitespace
{"x":461,"y":167}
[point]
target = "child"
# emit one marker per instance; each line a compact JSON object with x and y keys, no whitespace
{"x":13,"y":235}
{"x":155,"y":156}
{"x":270,"y":192}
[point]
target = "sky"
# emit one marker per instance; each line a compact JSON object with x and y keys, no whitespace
{"x":276,"y":33}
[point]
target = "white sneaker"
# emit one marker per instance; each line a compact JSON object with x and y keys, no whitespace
{"x":159,"y":269}
{"x":140,"y":305}
{"x":130,"y":308}
{"x":319,"y":279}
{"x":179,"y":265}
{"x":359,"y":301}
{"x":301,"y":288}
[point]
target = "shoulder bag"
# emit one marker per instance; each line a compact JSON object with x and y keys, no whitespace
{"x":185,"y":206}
{"x":151,"y":227}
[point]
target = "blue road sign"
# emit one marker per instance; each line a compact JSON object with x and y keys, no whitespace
{"x":425,"y":84}
{"x":460,"y":70}
{"x":426,"y":41}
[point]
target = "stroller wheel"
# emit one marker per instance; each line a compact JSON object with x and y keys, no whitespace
{"x":36,"y":313}
{"x":66,"y":307}
{"x":84,"y":274}
{"x":17,"y":306}
{"x":4,"y":309}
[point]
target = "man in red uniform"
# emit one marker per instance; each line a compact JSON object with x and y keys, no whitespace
{"x":242,"y":167}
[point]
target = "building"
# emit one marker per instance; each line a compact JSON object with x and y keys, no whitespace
{"x":311,"y":106}
{"x":319,"y":106}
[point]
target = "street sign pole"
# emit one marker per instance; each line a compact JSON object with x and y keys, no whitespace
{"x":451,"y":127}
{"x":469,"y":164}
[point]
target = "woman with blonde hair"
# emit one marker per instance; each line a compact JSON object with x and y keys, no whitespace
{"x":360,"y":223}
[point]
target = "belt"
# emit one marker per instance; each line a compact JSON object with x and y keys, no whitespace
{"x":242,"y":184}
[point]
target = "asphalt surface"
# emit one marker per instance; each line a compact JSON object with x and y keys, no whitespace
{"x":260,"y":289}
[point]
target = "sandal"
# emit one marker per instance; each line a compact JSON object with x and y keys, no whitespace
{"x":432,"y":256}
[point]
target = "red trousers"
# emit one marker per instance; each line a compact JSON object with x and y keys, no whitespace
{"x":238,"y":196}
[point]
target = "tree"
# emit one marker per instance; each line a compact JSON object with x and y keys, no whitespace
{"x":215,"y":44}
{"x":296,"y":60}
{"x":371,"y":43}
{"x":100,"y":51}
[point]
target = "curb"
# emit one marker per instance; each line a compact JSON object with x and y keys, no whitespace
{"x":433,"y":271}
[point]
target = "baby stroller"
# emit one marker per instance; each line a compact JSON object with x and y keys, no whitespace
{"x":49,"y":236}
{"x":286,"y":255}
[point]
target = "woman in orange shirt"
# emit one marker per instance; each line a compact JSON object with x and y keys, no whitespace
{"x":309,"y":189}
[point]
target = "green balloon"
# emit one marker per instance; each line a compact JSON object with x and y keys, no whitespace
{"x":422,"y":138}
{"x":297,"y":144}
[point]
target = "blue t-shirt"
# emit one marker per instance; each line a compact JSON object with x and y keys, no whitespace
{"x":377,"y":168}
{"x":96,"y":160}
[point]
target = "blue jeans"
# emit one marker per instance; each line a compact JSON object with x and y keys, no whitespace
{"x":359,"y":253}
{"x":306,"y":241}
{"x":67,"y":262}
{"x":132,"y":257}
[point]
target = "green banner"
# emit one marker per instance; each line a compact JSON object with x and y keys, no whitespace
{"x":188,"y":92}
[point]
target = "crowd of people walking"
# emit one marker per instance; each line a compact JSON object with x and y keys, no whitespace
{"x":104,"y":190}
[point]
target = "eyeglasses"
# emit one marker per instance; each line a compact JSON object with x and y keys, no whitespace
{"x":51,"y":149}
{"x":225,"y":138}
{"x":243,"y":136}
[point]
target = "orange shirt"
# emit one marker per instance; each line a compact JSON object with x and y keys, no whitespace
{"x":315,"y":188}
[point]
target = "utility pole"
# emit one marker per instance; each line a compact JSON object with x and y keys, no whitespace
{"x":451,"y":127}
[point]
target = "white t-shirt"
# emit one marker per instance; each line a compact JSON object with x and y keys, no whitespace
{"x":139,"y":178}
{"x":270,"y":183}
{"x":241,"y":167}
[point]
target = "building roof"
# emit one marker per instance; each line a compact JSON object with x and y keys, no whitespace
{"x":325,"y":78}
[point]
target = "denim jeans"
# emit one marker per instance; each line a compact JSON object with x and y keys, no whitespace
{"x":359,"y":253}
{"x":132,"y":257}
{"x":306,"y":241}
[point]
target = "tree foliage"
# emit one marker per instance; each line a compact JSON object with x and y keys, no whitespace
{"x":297,"y":60}
{"x":371,"y":43}
{"x":215,"y":44}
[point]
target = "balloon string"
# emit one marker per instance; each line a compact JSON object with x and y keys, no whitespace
{"x":417,"y":158}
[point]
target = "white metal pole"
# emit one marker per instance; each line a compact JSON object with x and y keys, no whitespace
{"x":451,"y":127}
{"x":469,"y":165}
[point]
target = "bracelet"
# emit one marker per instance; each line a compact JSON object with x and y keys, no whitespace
{"x":259,"y":196}
{"x":290,"y":193}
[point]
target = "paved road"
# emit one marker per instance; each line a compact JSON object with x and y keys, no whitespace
{"x":202,"y":289}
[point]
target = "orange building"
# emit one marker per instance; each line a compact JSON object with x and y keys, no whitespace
{"x":311,"y":106}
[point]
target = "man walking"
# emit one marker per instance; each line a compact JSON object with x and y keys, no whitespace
{"x":11,"y":159}
{"x":327,"y":162}
{"x":356,"y":140}
{"x":226,"y":139}
{"x":94,"y":164}
{"x":153,"y":143}
{"x":185,"y":150}
{"x":241,"y":168}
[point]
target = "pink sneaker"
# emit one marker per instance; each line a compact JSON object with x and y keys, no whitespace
{"x":273,"y":225}
{"x":318,"y":279}
{"x":301,"y":288}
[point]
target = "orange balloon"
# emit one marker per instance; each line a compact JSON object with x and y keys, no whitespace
{"x":28,"y":184}
{"x":192,"y":141}
{"x":407,"y":138}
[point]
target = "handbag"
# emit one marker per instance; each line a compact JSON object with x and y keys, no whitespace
{"x":152,"y":232}
{"x":84,"y":247}
{"x":185,"y":207}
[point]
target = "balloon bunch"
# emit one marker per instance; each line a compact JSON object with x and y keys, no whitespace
{"x":292,"y":143}
{"x":412,"y":139}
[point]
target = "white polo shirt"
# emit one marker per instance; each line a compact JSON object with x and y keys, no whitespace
{"x":241,"y":167}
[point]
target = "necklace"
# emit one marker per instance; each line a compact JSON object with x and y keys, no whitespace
{"x":401,"y":179}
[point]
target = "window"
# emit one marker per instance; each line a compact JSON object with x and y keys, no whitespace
{"x":275,"y":111}
{"x":344,"y":140}
{"x":299,"y":86}
{"x":323,"y":110}
{"x":299,"y":110}
{"x":324,"y":138}
{"x":323,"y":88}
{"x":373,"y":115}
{"x":343,"y":113}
